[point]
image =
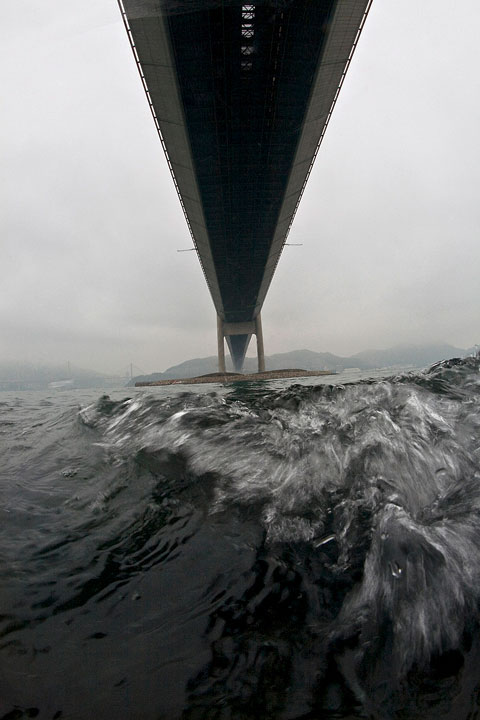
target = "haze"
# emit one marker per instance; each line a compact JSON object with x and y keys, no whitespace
{"x":91,"y":224}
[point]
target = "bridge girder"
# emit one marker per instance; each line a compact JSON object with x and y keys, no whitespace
{"x":241,"y":94}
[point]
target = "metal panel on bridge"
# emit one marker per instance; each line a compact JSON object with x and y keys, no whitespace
{"x":241,"y":94}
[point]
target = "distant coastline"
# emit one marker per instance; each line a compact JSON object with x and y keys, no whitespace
{"x":237,"y":377}
{"x":397,"y":358}
{"x":21,"y":375}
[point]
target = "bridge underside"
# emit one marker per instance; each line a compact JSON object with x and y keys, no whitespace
{"x":241,"y":94}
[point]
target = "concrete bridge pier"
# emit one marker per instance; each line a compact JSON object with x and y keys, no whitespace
{"x":260,"y":350}
{"x":238,"y":337}
{"x":221,"y":345}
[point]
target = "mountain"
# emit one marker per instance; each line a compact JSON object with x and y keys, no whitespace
{"x":395,"y":357}
{"x":197,"y":366}
{"x":304,"y":359}
{"x":406,"y":355}
{"x":310,"y":360}
{"x":31,"y":376}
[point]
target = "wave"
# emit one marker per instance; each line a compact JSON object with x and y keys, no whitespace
{"x":324,"y":541}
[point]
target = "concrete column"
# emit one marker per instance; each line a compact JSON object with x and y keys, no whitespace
{"x":221,"y":345}
{"x":260,"y":350}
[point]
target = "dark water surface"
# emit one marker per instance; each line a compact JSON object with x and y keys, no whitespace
{"x":256,"y":551}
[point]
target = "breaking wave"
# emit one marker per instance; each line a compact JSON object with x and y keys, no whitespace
{"x":299,"y":553}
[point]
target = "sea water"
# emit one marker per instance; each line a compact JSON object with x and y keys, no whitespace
{"x":272,"y":550}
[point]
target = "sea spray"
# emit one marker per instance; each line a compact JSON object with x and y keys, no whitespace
{"x":312,"y":551}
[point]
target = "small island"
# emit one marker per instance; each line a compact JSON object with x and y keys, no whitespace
{"x":238,"y":377}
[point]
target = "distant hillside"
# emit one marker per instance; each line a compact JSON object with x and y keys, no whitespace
{"x":399,"y":356}
{"x":310,"y":360}
{"x":30,"y":376}
{"x":304,"y":359}
{"x":405,"y":355}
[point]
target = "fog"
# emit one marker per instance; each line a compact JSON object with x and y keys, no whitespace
{"x":91,"y":224}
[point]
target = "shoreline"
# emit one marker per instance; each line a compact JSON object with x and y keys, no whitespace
{"x":238,"y":377}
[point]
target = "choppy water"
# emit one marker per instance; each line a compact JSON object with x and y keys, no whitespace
{"x":256,"y":551}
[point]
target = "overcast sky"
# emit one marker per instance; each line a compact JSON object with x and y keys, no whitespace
{"x":90,"y":222}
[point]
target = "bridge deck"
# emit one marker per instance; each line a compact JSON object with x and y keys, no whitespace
{"x":242,"y":94}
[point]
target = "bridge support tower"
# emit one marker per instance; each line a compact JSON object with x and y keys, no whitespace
{"x":238,"y":337}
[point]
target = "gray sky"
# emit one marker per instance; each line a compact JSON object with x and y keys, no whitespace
{"x":90,"y":221}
